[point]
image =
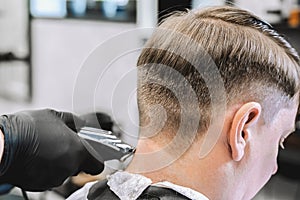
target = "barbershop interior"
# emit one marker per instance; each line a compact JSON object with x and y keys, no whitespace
{"x":80,"y":56}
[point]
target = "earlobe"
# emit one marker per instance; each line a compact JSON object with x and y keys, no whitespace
{"x":243,"y":124}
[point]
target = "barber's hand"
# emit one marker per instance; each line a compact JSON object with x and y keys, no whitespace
{"x":98,"y":120}
{"x":42,"y":149}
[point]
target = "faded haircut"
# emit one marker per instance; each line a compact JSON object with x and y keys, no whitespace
{"x":254,"y":61}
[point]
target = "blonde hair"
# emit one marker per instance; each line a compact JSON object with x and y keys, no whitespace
{"x":254,"y":61}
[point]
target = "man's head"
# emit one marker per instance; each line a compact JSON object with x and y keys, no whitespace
{"x":260,"y":74}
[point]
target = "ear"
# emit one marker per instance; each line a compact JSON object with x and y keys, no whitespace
{"x":243,"y":125}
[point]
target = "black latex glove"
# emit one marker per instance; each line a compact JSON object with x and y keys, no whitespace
{"x":42,"y":149}
{"x":98,"y":120}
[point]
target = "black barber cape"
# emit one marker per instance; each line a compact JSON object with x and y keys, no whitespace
{"x":101,"y":191}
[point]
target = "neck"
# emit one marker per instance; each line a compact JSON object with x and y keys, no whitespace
{"x":203,"y":175}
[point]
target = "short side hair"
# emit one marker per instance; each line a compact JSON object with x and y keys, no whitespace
{"x":254,"y":61}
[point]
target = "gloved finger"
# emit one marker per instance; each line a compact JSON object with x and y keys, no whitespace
{"x":94,"y":162}
{"x":98,"y":120}
{"x":92,"y":166}
{"x":91,"y":120}
{"x":105,"y":121}
{"x":71,"y":120}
